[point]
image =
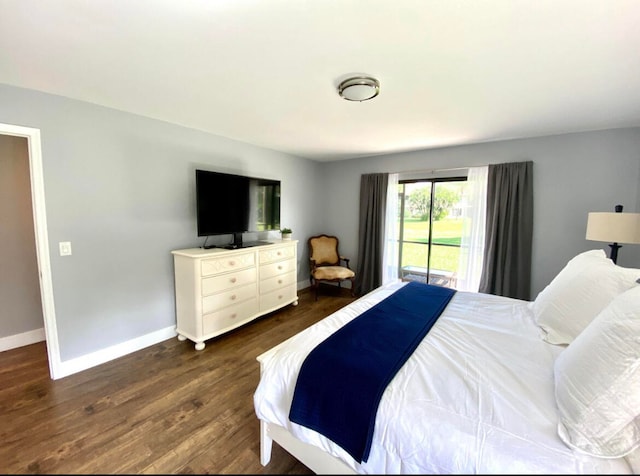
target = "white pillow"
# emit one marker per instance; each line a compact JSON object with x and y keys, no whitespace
{"x":597,"y":382}
{"x":578,"y":293}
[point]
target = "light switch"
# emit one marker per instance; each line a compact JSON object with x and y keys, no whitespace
{"x":65,"y":248}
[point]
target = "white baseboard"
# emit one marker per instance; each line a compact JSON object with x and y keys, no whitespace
{"x":19,"y":340}
{"x":102,"y":356}
{"x":79,"y":364}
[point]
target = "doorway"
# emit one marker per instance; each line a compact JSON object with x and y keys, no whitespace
{"x":41,"y":239}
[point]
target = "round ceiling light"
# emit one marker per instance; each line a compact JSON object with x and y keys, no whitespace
{"x":359,"y":88}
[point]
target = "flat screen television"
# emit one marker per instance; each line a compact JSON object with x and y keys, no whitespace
{"x":234,"y":204}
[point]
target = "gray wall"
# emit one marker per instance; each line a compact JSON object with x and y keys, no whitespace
{"x":120,"y":188}
{"x":573,"y":175}
{"x":21,"y":309}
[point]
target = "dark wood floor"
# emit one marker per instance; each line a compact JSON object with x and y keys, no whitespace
{"x":164,"y":409}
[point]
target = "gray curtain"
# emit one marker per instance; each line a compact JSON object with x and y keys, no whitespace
{"x":507,"y":254}
{"x":373,"y":202}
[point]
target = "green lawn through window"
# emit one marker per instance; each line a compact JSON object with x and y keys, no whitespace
{"x":445,"y":232}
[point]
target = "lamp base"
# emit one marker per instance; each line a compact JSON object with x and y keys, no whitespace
{"x":614,"y":252}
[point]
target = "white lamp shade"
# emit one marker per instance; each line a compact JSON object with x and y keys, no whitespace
{"x":614,"y":227}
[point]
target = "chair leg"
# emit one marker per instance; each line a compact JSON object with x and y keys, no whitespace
{"x":353,"y":287}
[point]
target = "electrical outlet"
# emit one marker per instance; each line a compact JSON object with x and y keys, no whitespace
{"x":65,"y":248}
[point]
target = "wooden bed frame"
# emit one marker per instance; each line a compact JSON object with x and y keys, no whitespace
{"x":311,"y":456}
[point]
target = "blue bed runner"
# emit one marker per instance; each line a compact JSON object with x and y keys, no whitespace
{"x":342,"y":380}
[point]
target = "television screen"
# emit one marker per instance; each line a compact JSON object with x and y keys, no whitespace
{"x":228,"y":203}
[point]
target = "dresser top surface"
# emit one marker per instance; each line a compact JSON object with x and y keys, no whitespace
{"x":203,"y":253}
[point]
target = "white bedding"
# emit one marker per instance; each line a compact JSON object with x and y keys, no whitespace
{"x":477,"y":396}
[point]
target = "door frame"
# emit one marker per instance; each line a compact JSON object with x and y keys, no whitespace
{"x":42,"y":240}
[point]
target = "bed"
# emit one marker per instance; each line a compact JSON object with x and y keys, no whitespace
{"x":486,"y":390}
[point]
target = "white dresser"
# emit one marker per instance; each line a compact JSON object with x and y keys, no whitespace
{"x":218,"y":290}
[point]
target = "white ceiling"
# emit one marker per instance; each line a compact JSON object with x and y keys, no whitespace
{"x":266,"y":71}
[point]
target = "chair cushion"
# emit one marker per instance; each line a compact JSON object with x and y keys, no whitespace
{"x":325,"y":250}
{"x":333,"y":272}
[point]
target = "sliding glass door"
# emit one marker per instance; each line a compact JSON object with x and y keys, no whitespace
{"x":430,"y":229}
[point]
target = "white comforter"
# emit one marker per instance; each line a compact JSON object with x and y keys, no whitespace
{"x":477,"y":396}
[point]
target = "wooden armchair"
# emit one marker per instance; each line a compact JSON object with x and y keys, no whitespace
{"x":325,"y":263}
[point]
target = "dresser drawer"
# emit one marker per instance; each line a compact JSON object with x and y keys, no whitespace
{"x":227,"y":263}
{"x":278,"y":297}
{"x":229,"y":317}
{"x":217,"y":301}
{"x":226,"y":281}
{"x":277,"y":268}
{"x":267,"y":256}
{"x":277,"y":282}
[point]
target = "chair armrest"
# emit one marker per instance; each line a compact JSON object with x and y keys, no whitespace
{"x":346,"y":260}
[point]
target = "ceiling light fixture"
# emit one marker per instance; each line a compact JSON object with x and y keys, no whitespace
{"x":359,"y":88}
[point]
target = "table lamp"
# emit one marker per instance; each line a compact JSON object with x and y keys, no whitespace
{"x":616,"y":227}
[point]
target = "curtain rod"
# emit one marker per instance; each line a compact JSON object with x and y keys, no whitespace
{"x":451,"y":169}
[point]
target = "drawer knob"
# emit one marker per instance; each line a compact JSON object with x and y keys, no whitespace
{"x":233,"y":297}
{"x":233,"y":280}
{"x":280,"y":296}
{"x":279,"y":281}
{"x":232,"y":263}
{"x":279,"y":253}
{"x":233,"y":316}
{"x":279,"y":267}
